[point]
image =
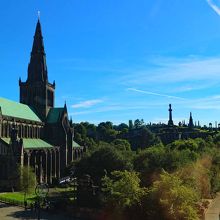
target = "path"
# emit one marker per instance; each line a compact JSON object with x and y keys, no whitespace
{"x":9,"y":212}
{"x":214,"y":209}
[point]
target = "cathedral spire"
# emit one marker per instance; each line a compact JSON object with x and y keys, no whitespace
{"x":36,"y":91}
{"x":37,"y":68}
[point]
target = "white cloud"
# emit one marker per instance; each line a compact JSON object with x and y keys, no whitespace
{"x":173,"y":70}
{"x":87,"y":103}
{"x":155,"y":94}
{"x":214,"y":6}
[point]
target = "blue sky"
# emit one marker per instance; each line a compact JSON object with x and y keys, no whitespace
{"x":119,"y":60}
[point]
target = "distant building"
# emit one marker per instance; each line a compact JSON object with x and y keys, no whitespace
{"x":170,"y":132}
{"x":34,"y":132}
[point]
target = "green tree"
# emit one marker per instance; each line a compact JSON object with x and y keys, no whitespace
{"x":142,"y":138}
{"x":121,"y":127}
{"x":177,"y":200}
{"x":122,"y":193}
{"x":27,"y":181}
{"x":104,"y":159}
{"x":122,"y":144}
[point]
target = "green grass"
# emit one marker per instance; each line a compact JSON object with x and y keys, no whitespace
{"x":54,"y":194}
{"x":18,"y":197}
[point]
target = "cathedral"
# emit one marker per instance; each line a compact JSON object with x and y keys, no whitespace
{"x":33,"y":132}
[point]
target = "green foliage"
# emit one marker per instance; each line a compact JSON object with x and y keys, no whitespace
{"x":151,"y":161}
{"x":123,"y":195}
{"x":142,"y":138}
{"x":123,"y":189}
{"x":176,"y":200}
{"x":215,"y":172}
{"x":121,"y":144}
{"x":138,"y":135}
{"x":198,"y":145}
{"x":27,"y":180}
{"x":197,"y":175}
{"x":138,"y":123}
{"x":177,"y":175}
{"x":121,"y":127}
{"x":104,"y":159}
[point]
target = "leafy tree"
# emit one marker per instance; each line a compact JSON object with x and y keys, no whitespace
{"x":142,"y":138}
{"x":151,"y":161}
{"x":80,"y":128}
{"x":215,"y":172}
{"x":79,"y":139}
{"x":106,"y":132}
{"x":123,"y":189}
{"x":104,"y":159}
{"x":176,"y":200}
{"x":138,"y":123}
{"x":91,"y":131}
{"x":122,"y":193}
{"x":27,"y":182}
{"x":121,"y":127}
{"x":184,"y":144}
{"x":122,"y":144}
{"x":197,"y":175}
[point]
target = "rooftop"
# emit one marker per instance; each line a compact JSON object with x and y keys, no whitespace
{"x":29,"y":143}
{"x":17,"y":110}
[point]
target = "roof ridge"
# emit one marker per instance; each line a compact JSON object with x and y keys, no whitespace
{"x":9,"y":100}
{"x":18,"y":110}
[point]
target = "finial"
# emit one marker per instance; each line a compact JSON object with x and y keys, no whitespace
{"x":38,"y":15}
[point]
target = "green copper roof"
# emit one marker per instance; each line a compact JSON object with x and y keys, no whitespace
{"x":54,"y":115}
{"x":31,"y":143}
{"x":17,"y":110}
{"x":75,"y":145}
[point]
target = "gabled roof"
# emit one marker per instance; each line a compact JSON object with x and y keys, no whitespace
{"x":30,"y":143}
{"x":17,"y":110}
{"x":54,"y":115}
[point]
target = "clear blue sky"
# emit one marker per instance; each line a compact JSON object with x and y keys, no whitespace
{"x":120,"y":59}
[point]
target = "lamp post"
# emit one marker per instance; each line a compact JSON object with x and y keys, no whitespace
{"x":41,"y":192}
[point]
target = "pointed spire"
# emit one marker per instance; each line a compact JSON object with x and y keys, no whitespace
{"x":37,"y":68}
{"x":191,"y":125}
{"x":65,"y":107}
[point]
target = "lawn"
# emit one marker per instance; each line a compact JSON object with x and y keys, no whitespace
{"x":17,"y":197}
{"x":55,"y":194}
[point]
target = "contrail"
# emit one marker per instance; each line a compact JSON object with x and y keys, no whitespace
{"x":156,"y":94}
{"x":214,"y":6}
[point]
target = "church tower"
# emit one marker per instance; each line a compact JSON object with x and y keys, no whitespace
{"x":37,"y":92}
